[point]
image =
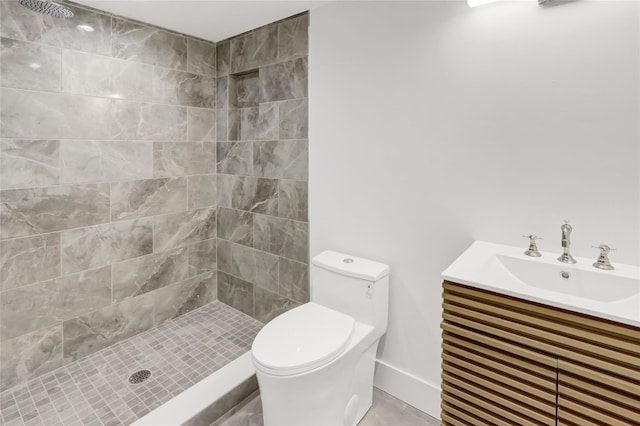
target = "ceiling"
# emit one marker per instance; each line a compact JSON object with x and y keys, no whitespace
{"x":213,"y":20}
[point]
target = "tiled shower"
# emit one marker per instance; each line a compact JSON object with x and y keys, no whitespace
{"x":144,"y":174}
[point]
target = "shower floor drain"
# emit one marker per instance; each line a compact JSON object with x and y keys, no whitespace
{"x":139,"y":376}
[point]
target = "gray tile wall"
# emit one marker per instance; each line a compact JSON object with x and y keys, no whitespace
{"x":107,"y":183}
{"x":262,"y":165}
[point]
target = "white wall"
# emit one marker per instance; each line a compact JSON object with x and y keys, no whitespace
{"x":433,"y":125}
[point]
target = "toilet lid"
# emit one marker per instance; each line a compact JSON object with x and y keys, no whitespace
{"x":302,"y":339}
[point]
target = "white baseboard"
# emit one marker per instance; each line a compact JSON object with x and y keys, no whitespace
{"x":408,"y":388}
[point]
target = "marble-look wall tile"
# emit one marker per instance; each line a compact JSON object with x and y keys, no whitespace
{"x":285,"y":80}
{"x":30,"y":355}
{"x":222,"y":125}
{"x":255,"y":49}
{"x":236,"y":226}
{"x":151,"y":45}
{"x":40,"y":210}
{"x":85,"y":117}
{"x":244,"y":90}
{"x":178,"y":159}
{"x":268,"y":123}
{"x":91,"y":247}
{"x":222,"y":93}
{"x":29,"y":66}
{"x":20,"y":23}
{"x":294,"y":119}
{"x":294,"y":280}
{"x":142,"y":121}
{"x":249,"y":124}
{"x":201,"y":57}
{"x":254,"y":266}
{"x":286,"y":238}
{"x":96,"y":75}
{"x":36,"y":306}
{"x":202,"y":191}
{"x":105,"y":161}
{"x":293,"y":37}
{"x":148,"y":197}
{"x":233,"y":124}
{"x":281,"y":159}
{"x":269,"y":305}
{"x":164,"y":122}
{"x":235,"y":158}
{"x":293,"y":200}
{"x":28,"y":260}
{"x":183,"y":88}
{"x":202,"y":257}
{"x":29,"y":163}
{"x":178,"y":299}
{"x":248,"y":193}
{"x":223,"y":58}
{"x":236,"y":293}
{"x":91,"y":332}
{"x":180,"y":229}
{"x":147,"y":273}
{"x":201,"y":125}
{"x":30,"y":114}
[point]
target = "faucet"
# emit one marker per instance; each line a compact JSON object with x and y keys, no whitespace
{"x":566,"y":243}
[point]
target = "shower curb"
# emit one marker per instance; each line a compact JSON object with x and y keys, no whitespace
{"x":208,"y":400}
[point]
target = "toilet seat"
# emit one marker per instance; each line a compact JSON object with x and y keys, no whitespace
{"x":301,"y":339}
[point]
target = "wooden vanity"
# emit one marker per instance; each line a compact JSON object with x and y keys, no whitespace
{"x":507,"y":361}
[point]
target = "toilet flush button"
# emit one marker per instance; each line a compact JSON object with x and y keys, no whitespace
{"x":347,"y":260}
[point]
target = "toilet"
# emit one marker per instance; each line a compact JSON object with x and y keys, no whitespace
{"x":315,"y":363}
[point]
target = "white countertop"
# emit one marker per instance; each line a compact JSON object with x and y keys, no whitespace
{"x":480,"y":266}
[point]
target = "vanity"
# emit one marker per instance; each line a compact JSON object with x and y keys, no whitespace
{"x":531,"y":341}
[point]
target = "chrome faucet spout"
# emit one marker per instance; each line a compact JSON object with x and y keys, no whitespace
{"x":566,"y":244}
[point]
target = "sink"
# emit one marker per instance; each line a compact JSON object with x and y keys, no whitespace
{"x":566,"y":279}
{"x":613,"y":295}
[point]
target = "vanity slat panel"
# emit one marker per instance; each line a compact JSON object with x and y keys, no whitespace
{"x":597,"y":395}
{"x":476,"y":397}
{"x":610,"y":346}
{"x":458,"y":333}
{"x":545,"y":402}
{"x":588,"y":322}
{"x":453,"y":412}
{"x":590,"y":416}
{"x":495,"y":380}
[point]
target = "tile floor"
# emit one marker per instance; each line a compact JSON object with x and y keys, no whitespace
{"x":385,"y":411}
{"x":95,"y":389}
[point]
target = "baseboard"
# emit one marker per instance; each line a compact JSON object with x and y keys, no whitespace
{"x":408,"y":388}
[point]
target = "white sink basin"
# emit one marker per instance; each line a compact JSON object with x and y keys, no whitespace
{"x":594,"y":285}
{"x":580,"y":287}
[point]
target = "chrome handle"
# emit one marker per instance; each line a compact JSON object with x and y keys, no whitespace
{"x":604,"y":248}
{"x":603,"y":259}
{"x":533,"y":249}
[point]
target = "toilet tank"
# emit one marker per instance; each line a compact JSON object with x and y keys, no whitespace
{"x":354,"y":286}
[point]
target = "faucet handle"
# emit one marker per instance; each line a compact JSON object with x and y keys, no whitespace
{"x":533,"y":248}
{"x":605,"y":249}
{"x":532,"y":237}
{"x":603,"y":259}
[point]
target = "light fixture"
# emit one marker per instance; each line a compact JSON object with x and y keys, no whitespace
{"x":85,"y":28}
{"x":34,"y":65}
{"x":474,"y":3}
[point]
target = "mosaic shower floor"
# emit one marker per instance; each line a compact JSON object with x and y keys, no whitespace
{"x":95,"y":390}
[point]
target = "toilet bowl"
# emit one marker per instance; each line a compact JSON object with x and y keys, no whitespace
{"x":315,"y":363}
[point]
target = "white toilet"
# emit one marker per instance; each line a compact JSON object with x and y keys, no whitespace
{"x":315,"y":363}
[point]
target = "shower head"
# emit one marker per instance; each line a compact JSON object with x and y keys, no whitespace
{"x":48,"y":8}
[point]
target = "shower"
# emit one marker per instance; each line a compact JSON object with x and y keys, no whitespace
{"x":48,"y":8}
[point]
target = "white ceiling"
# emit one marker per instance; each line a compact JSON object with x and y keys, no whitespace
{"x":213,"y":20}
